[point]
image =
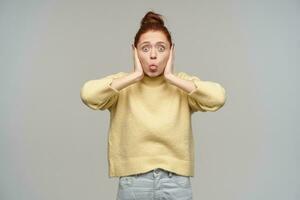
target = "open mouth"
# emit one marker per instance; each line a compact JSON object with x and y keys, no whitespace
{"x":153,"y":67}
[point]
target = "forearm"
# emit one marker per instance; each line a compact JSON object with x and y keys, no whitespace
{"x":103,"y":92}
{"x":122,"y":82}
{"x":186,"y":85}
{"x":202,"y":95}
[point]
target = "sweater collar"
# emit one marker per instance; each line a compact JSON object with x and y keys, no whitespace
{"x":153,"y":81}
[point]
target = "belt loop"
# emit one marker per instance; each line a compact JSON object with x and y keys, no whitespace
{"x":170,"y":174}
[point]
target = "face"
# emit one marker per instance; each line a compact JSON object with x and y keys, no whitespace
{"x":153,"y":51}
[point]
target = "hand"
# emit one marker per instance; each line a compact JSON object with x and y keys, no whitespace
{"x":137,"y":64}
{"x":169,"y":69}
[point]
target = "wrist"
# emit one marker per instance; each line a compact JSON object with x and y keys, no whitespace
{"x":137,"y":76}
{"x":169,"y":77}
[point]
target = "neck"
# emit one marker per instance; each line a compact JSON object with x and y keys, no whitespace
{"x":153,"y":81}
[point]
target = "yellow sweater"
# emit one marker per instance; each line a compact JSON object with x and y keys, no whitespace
{"x":150,"y":121}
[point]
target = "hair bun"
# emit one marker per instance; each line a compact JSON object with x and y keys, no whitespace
{"x":152,"y":21}
{"x":152,"y":18}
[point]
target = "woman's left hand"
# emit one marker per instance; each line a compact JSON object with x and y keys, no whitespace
{"x":169,"y":69}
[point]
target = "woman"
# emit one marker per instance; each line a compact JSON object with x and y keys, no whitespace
{"x":150,"y":144}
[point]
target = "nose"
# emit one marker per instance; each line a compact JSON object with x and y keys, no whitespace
{"x":153,"y":54}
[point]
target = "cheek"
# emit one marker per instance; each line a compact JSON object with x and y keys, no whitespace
{"x":142,"y":58}
{"x":165,"y":58}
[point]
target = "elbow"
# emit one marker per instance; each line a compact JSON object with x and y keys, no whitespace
{"x":84,"y":94}
{"x":220,"y":100}
{"x":87,"y":98}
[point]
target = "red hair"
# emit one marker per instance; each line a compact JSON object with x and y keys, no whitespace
{"x":152,"y":22}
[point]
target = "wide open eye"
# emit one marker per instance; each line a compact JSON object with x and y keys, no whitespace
{"x":161,"y":48}
{"x":145,"y":48}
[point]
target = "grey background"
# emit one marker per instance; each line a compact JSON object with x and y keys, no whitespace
{"x":54,"y":147}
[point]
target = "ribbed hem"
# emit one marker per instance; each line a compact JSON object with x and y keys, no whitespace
{"x":124,"y":167}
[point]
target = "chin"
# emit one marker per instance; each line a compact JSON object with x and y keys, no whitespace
{"x":154,"y":74}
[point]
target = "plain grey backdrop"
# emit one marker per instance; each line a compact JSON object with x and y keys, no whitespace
{"x":54,"y":147}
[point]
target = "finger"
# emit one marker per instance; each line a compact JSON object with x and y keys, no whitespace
{"x":136,"y":54}
{"x":132,"y":49}
{"x":171,"y":54}
{"x":173,"y":49}
{"x":133,"y":55}
{"x":135,"y":51}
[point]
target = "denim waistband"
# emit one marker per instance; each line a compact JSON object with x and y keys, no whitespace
{"x":152,"y":174}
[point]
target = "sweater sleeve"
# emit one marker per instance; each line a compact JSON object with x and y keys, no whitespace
{"x":98,"y":94}
{"x":207,"y":96}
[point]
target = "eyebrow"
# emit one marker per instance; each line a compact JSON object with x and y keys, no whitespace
{"x":157,"y":42}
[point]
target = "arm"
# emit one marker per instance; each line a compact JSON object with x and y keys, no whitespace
{"x":100,"y":94}
{"x":122,"y":82}
{"x":202,"y":95}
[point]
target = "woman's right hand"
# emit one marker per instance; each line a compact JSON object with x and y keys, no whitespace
{"x":137,"y":64}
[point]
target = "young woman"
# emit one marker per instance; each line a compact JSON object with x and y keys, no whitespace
{"x":150,"y":144}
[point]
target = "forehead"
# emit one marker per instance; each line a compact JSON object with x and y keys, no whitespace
{"x":153,"y":37}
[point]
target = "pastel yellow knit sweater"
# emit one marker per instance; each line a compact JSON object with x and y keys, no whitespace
{"x":150,"y":121}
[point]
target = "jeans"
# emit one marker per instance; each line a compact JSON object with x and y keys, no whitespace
{"x":157,"y":184}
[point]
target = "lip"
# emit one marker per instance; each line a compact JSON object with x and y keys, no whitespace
{"x":156,"y":67}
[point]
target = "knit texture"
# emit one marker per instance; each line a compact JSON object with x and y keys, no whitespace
{"x":150,"y":121}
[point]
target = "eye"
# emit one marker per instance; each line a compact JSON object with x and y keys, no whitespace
{"x":161,"y":48}
{"x":145,"y":48}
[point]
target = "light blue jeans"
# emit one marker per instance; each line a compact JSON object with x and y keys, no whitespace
{"x":157,"y":184}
